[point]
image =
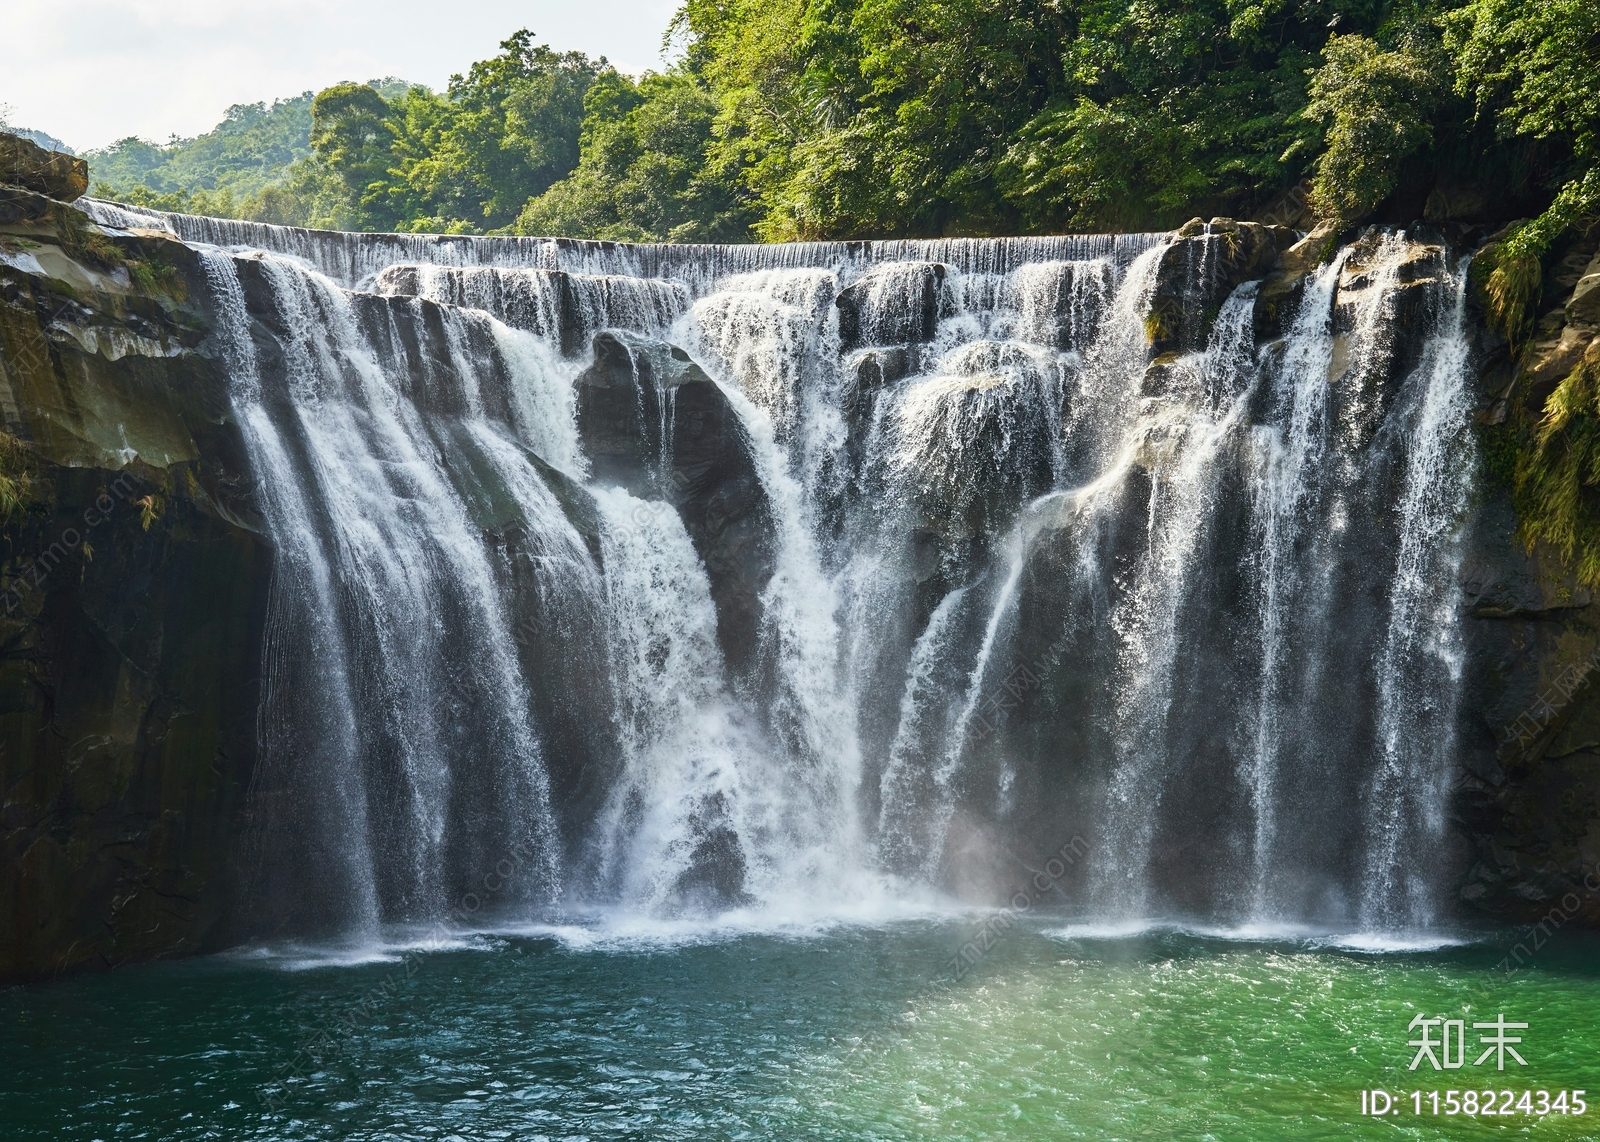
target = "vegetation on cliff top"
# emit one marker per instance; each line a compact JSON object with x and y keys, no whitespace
{"x":853,"y":118}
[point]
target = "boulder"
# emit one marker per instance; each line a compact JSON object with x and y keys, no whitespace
{"x":1204,"y":264}
{"x":872,"y":371}
{"x":1584,"y":306}
{"x":543,"y":302}
{"x":1280,"y":293}
{"x":877,"y":368}
{"x":715,"y":876}
{"x":1309,"y":252}
{"x":653,"y":422}
{"x":25,"y":164}
{"x":893,"y":304}
{"x":621,"y":412}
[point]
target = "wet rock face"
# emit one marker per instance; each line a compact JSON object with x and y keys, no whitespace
{"x":132,"y":597}
{"x":568,"y":307}
{"x":129,"y":683}
{"x":967,"y":449}
{"x":622,"y":405}
{"x":543,"y":302}
{"x":1207,"y":262}
{"x":1530,"y":799}
{"x":25,"y":164}
{"x":1531,"y":731}
{"x":1390,"y":291}
{"x":653,"y":422}
{"x":716,"y":874}
{"x":894,"y":304}
{"x":1280,"y":292}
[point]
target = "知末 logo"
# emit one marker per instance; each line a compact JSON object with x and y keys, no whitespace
{"x":1452,"y":1046}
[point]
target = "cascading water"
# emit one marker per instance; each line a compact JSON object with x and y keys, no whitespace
{"x":690,"y":812}
{"x":1419,"y":668}
{"x":1179,"y":440}
{"x":782,"y":578}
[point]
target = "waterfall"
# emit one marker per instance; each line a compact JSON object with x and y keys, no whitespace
{"x":701,"y":578}
{"x":404,"y":617}
{"x":296,"y":714}
{"x":1182,"y":436}
{"x":690,"y":815}
{"x":1290,"y":454}
{"x":1419,"y":668}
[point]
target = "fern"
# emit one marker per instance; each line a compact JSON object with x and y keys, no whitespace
{"x":1558,"y":474}
{"x":16,"y":476}
{"x":149,"y":509}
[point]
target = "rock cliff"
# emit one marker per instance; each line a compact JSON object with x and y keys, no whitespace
{"x":1531,"y":793}
{"x":132,"y":585}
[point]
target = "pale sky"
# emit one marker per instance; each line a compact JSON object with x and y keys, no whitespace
{"x":93,"y":71}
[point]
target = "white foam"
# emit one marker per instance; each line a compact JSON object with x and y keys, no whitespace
{"x":625,"y":929}
{"x":392,"y":947}
{"x":1308,"y":936}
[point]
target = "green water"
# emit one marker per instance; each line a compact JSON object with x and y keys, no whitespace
{"x":828,"y":1035}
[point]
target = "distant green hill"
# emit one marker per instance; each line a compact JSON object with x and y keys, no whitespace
{"x":249,"y":151}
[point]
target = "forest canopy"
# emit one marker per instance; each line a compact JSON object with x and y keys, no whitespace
{"x":803,"y":119}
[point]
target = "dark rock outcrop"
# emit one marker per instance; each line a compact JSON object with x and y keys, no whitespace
{"x":1584,"y":306}
{"x":18,"y":205}
{"x":716,"y":873}
{"x":1207,"y":262}
{"x":894,"y":304}
{"x":26,"y":164}
{"x":653,"y":422}
{"x":1281,"y":290}
{"x":1532,"y":729}
{"x":131,"y":604}
{"x":1530,"y":799}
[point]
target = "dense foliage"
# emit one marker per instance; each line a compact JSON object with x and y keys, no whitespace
{"x":842,"y":118}
{"x":222,"y":171}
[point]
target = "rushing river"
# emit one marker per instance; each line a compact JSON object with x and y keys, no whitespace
{"x":853,"y":1032}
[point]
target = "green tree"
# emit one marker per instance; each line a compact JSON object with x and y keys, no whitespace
{"x":1534,"y":69}
{"x":1173,"y":110}
{"x":912,"y":106}
{"x":250,"y":149}
{"x":1375,"y":106}
{"x":509,"y":131}
{"x":352,"y":137}
{"x":646,"y":173}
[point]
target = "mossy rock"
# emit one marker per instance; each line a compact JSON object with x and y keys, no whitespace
{"x":26,"y":164}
